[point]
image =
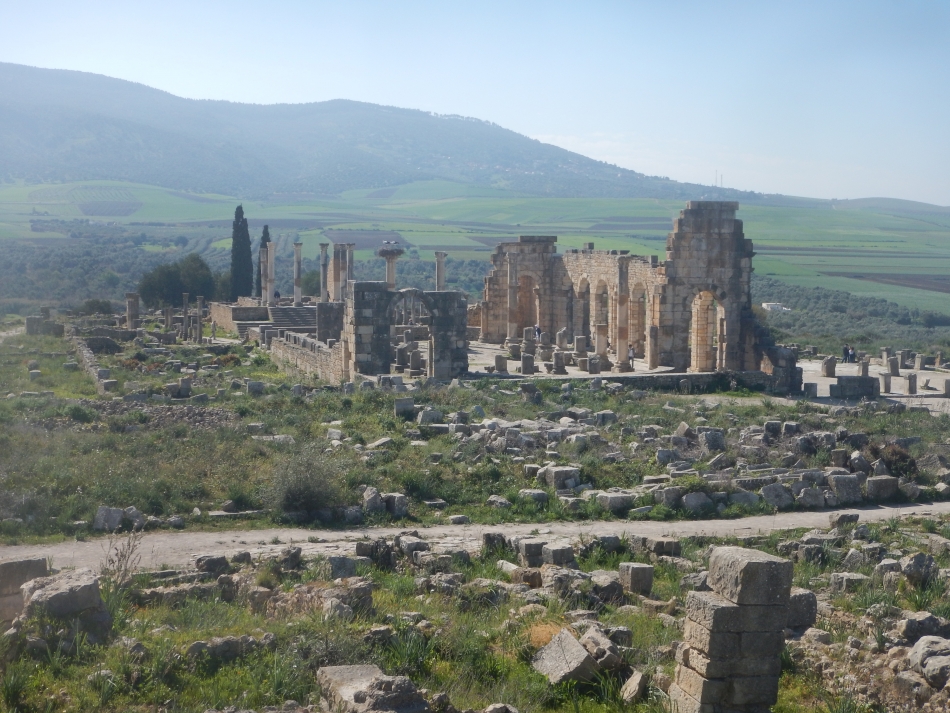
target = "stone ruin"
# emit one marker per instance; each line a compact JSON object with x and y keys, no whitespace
{"x":734,"y":634}
{"x":355,"y":327}
{"x":691,"y":312}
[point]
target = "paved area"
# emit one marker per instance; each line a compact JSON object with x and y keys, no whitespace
{"x":178,"y":549}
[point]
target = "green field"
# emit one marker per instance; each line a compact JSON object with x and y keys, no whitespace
{"x":897,"y":250}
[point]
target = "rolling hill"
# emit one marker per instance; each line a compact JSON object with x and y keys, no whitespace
{"x":59,"y":125}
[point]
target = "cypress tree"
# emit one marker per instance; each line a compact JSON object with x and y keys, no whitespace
{"x":265,"y":238}
{"x":242,"y":264}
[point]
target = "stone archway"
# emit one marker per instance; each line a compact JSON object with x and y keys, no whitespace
{"x":707,"y":331}
{"x":638,"y":320}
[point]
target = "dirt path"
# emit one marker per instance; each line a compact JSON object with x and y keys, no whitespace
{"x":177,"y":549}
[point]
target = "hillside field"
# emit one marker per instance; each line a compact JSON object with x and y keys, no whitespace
{"x":896,"y":250}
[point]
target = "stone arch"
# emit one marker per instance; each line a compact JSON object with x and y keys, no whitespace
{"x":638,"y":319}
{"x":582,"y":308}
{"x":707,"y":312}
{"x":528,"y":302}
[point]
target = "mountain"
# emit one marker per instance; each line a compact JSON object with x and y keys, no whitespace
{"x":59,"y":125}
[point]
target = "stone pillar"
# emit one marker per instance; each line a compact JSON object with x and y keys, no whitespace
{"x":863,"y":367}
{"x":349,"y":267}
{"x":828,"y":366}
{"x":910,"y":384}
{"x":561,"y":339}
{"x":391,"y":270}
{"x":262,"y":259}
{"x":336,"y":272}
{"x":600,"y":344}
{"x":623,"y":327}
{"x":894,"y":365}
{"x":919,"y":362}
{"x":559,"y":363}
{"x":131,"y":310}
{"x":904,"y":355}
{"x":501,"y":364}
{"x":169,"y":313}
{"x":198,"y":318}
{"x":731,"y":657}
{"x":298,"y":267}
{"x":512,"y":298}
{"x":885,"y":383}
{"x":885,"y":354}
{"x":527,"y":364}
{"x":440,"y":271}
{"x":324,"y":273}
{"x":184,"y":316}
{"x":271,"y":272}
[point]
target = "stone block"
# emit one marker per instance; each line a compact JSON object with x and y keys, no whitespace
{"x":845,"y":582}
{"x":847,"y":488}
{"x":404,"y":408}
{"x":777,"y":495}
{"x":745,"y":576}
{"x":615,"y":502}
{"x":564,"y":659}
{"x":881,"y":487}
{"x":63,"y":595}
{"x":718,"y":614}
{"x":15,"y":573}
{"x":717,"y":645}
{"x":802,"y":609}
{"x":636,"y":577}
{"x":557,"y":554}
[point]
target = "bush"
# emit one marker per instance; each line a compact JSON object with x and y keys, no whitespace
{"x":96,"y":307}
{"x":309,"y":481}
{"x":897,"y":459}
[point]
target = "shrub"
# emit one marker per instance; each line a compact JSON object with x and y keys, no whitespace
{"x":897,"y":459}
{"x":310,"y":480}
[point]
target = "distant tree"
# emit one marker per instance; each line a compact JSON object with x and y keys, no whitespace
{"x":165,"y":284}
{"x":161,"y":286}
{"x":310,"y":283}
{"x":265,"y":238}
{"x":96,"y":307}
{"x":242,"y":264}
{"x":196,"y":277}
{"x":222,"y":285}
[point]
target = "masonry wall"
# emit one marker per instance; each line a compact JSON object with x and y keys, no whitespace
{"x":226,"y":315}
{"x":301,"y":354}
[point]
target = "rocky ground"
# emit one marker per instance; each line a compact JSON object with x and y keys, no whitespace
{"x":529,"y":622}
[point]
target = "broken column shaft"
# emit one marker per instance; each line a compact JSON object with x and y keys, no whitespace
{"x":440,"y":270}
{"x":298,"y":266}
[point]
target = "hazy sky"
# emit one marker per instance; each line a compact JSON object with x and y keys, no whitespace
{"x":826,"y":99}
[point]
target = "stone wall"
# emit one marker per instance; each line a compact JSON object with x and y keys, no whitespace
{"x":41,"y":326}
{"x":227,"y":315}
{"x":691,"y":311}
{"x":301,"y":354}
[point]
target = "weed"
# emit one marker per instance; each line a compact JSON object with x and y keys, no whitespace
{"x":13,"y":687}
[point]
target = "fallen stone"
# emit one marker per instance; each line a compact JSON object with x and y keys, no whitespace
{"x":564,"y":659}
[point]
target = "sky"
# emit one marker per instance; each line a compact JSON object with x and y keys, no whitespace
{"x":823,"y":99}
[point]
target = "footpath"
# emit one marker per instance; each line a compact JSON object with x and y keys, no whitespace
{"x":175,"y":549}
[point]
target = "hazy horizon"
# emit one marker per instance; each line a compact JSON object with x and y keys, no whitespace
{"x":847,"y":101}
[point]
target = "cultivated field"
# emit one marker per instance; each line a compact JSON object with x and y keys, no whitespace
{"x":897,"y":250}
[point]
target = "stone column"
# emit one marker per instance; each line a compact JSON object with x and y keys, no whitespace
{"x":201,"y":309}
{"x":336,"y":270}
{"x":271,"y":273}
{"x":349,"y":266}
{"x":910,"y":384}
{"x":298,"y":265}
{"x":440,"y":271}
{"x":184,"y":316}
{"x":390,"y":253}
{"x":264,"y":254}
{"x":512,"y":298}
{"x":131,"y":310}
{"x":885,"y":383}
{"x":169,"y":313}
{"x":324,"y":273}
{"x":623,"y":341}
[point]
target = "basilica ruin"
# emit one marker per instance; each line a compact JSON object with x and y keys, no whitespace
{"x":578,"y":312}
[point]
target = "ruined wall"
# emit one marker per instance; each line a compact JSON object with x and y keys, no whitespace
{"x":329,"y":320}
{"x":448,"y":328}
{"x":301,"y":354}
{"x":227,"y":315}
{"x":707,"y":258}
{"x":539,"y":273}
{"x":41,"y":326}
